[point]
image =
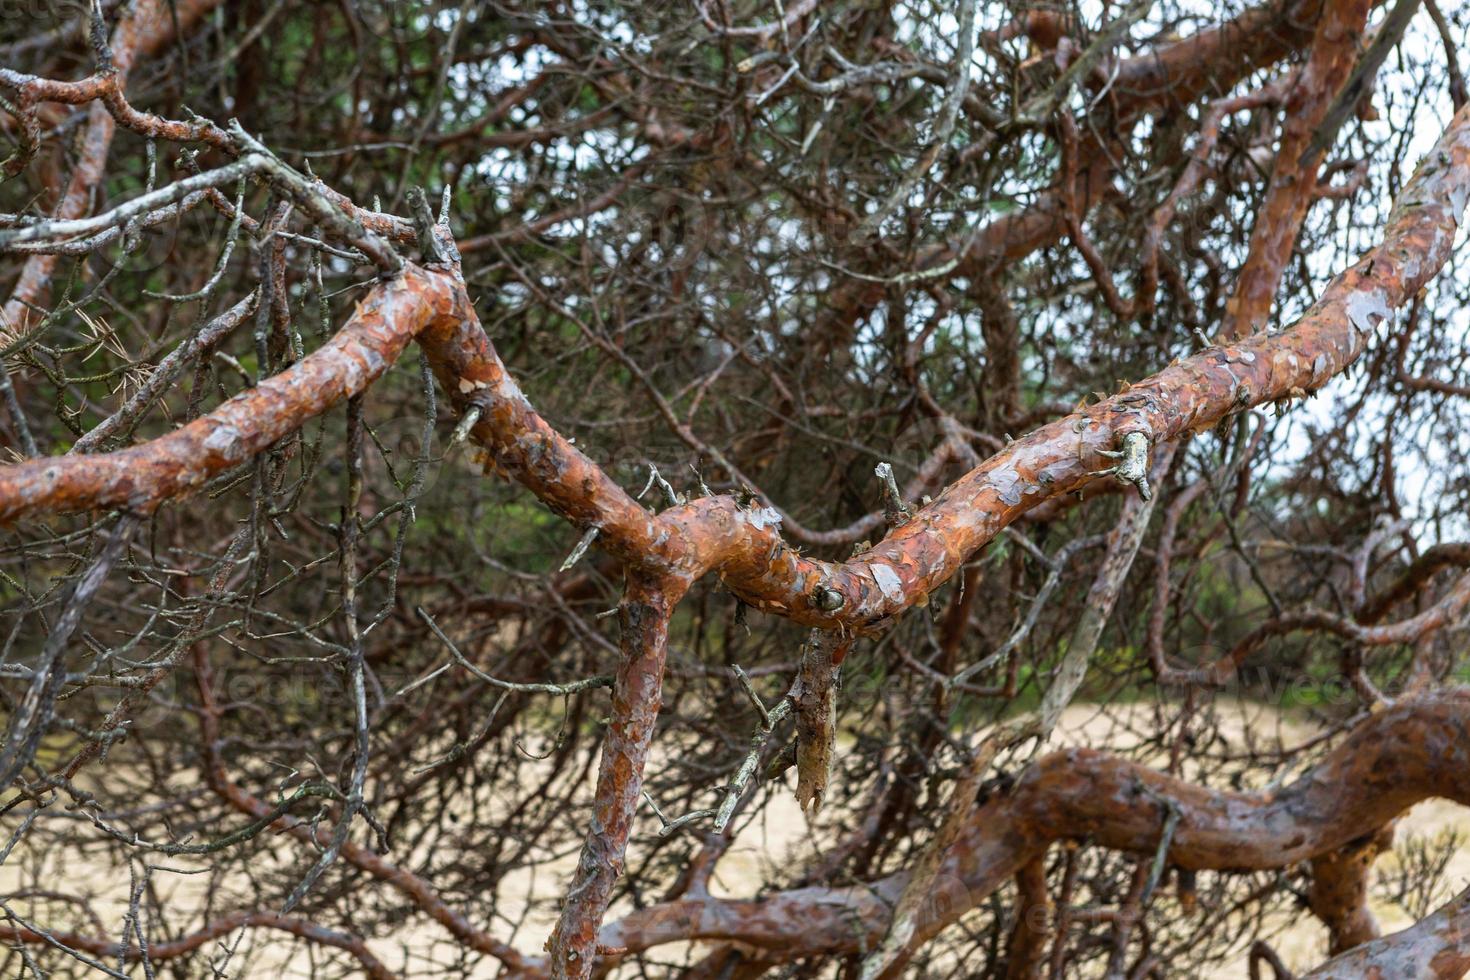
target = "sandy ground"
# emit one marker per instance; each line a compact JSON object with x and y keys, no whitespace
{"x":777,"y":839}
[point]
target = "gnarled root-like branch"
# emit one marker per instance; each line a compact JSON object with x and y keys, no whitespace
{"x":1413,"y":751}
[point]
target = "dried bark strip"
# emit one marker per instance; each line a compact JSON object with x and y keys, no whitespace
{"x":816,"y":716}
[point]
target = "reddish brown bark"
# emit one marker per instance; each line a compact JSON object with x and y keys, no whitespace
{"x":1405,"y":754}
{"x":1164,"y":557}
{"x":1068,"y":795}
{"x":1213,"y":59}
{"x":1293,"y":182}
{"x":1188,"y":396}
{"x":744,"y":545}
{"x":141,"y":477}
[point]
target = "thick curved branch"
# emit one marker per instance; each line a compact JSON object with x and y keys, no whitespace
{"x":1188,"y":396}
{"x":744,"y":545}
{"x":1414,"y":751}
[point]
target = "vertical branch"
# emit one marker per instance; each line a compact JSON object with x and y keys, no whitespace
{"x":1128,"y":915}
{"x":1339,"y":892}
{"x":648,"y":602}
{"x":1027,"y":950}
{"x":1001,"y":393}
{"x":1163,"y":558}
{"x":1294,"y":174}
